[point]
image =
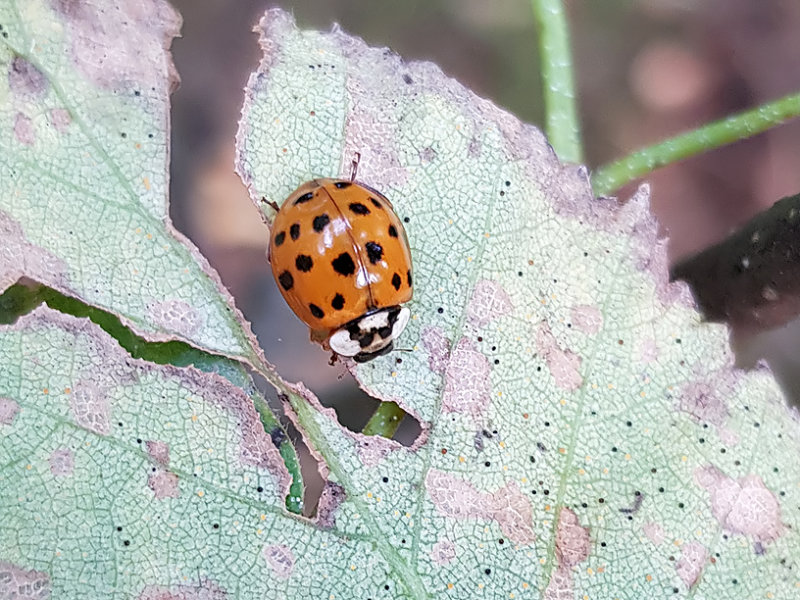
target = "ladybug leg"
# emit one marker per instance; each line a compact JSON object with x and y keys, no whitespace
{"x":333,"y":359}
{"x":354,"y":167}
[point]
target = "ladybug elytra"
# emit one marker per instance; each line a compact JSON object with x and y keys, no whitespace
{"x":342,"y":262}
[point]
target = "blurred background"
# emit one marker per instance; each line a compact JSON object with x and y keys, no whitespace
{"x":646,"y":70}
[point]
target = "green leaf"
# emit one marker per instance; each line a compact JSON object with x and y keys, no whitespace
{"x":84,"y":116}
{"x":585,"y":433}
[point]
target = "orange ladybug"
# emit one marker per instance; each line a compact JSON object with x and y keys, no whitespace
{"x":342,"y":262}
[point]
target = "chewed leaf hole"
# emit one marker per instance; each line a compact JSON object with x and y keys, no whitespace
{"x":361,"y":413}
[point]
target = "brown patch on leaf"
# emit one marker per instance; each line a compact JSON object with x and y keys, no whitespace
{"x":742,"y":506}
{"x":331,"y":498}
{"x":467,"y":387}
{"x":704,"y":403}
{"x":126,"y":47}
{"x":572,"y":539}
{"x":62,"y":462}
{"x":90,"y":407}
{"x":17,"y":583}
{"x":23,"y":129}
{"x":22,"y":258}
{"x":177,"y":316}
{"x":489,"y":302}
{"x":586,"y":318}
{"x":691,"y":563}
{"x":61,"y":119}
{"x":648,"y":350}
{"x":572,"y":548}
{"x":280,"y":559}
{"x":459,"y":499}
{"x":8,"y":410}
{"x":654,"y":532}
{"x":163,"y":483}
{"x":158,"y":451}
{"x":443,"y":551}
{"x":25,"y":80}
{"x":373,"y":449}
{"x":564,"y":365}
{"x":438,"y":347}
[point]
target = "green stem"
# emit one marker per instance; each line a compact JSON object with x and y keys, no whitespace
{"x":385,"y":420}
{"x":611,"y":177}
{"x":561,"y":113}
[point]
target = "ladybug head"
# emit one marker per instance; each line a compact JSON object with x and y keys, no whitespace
{"x":370,"y":335}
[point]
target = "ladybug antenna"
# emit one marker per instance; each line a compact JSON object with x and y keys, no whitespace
{"x":403,"y":349}
{"x":354,"y":167}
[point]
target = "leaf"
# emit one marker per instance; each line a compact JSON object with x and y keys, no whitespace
{"x":588,"y":435}
{"x":84,"y":120}
{"x":123,"y":478}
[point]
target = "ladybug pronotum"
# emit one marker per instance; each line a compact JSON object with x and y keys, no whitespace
{"x":342,"y":262}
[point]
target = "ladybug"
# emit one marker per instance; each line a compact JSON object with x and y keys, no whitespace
{"x":342,"y":262}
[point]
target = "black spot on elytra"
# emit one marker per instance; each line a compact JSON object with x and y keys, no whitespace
{"x":294,"y":231}
{"x":286,"y":280}
{"x":316,"y":311}
{"x":304,"y":198}
{"x":343,"y":264}
{"x":396,"y":281}
{"x":359,"y":208}
{"x":342,"y":184}
{"x":303,"y":263}
{"x":374,"y":252}
{"x":408,"y":277}
{"x":320,"y":222}
{"x":338,"y":302}
{"x":392,"y":231}
{"x":375,"y":203}
{"x":279,"y":237}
